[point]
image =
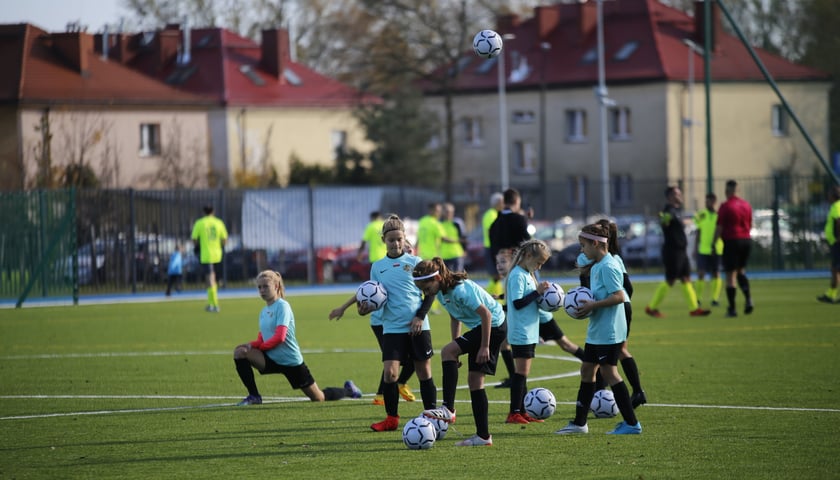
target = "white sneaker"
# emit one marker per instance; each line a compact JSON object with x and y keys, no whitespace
{"x":442,"y":414}
{"x":571,"y":428}
{"x":475,"y":441}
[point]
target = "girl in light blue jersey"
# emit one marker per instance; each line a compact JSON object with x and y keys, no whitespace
{"x":276,"y":349}
{"x":605,"y":334}
{"x":521,"y":292}
{"x":466,"y":303}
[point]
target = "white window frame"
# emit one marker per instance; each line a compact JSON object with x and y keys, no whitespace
{"x":525,"y":157}
{"x":150,"y":141}
{"x":576,"y":128}
{"x":620,"y":124}
{"x":779,"y":121}
{"x":338,"y":140}
{"x":473,"y":131}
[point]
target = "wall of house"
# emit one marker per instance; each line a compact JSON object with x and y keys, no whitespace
{"x":10,"y":165}
{"x":108,"y":139}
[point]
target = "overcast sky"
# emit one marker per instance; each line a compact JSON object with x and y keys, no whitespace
{"x":53,"y":15}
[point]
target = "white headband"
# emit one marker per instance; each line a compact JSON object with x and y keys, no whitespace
{"x":426,"y":277}
{"x":589,"y":236}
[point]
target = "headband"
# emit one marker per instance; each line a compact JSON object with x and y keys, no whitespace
{"x":590,"y":236}
{"x":426,"y":277}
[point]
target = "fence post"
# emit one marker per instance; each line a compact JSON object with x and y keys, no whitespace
{"x":778,"y":260}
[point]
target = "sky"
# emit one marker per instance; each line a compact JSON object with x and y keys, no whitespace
{"x":53,"y":15}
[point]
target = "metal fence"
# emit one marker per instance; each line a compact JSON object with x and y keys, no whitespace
{"x":77,"y":242}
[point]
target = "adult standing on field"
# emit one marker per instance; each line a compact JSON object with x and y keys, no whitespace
{"x":372,"y":239}
{"x":510,"y":228}
{"x":832,"y":233}
{"x":733,"y":226}
{"x":452,"y":253}
{"x":497,"y":203}
{"x":708,"y":252}
{"x":430,"y":234}
{"x":210,"y":234}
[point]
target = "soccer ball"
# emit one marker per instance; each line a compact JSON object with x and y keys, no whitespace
{"x":540,"y":403}
{"x":573,"y":301}
{"x":441,"y":427}
{"x":552,"y":298}
{"x":487,"y":44}
{"x":419,"y":434}
{"x":603,"y":404}
{"x":372,"y":293}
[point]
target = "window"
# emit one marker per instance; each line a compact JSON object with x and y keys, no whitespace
{"x":525,"y":157}
{"x":622,"y":190}
{"x":472,"y":131}
{"x":577,"y":191}
{"x":149,"y":139}
{"x":576,"y":126}
{"x":620,"y":123}
{"x":779,"y":122}
{"x":624,"y":52}
{"x":523,"y":116}
{"x":590,"y":56}
{"x":339,"y":143}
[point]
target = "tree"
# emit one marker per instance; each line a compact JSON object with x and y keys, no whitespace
{"x":180,"y":162}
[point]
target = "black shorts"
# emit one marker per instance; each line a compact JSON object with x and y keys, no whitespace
{"x":601,"y":354}
{"x":470,"y":342}
{"x":523,"y":351}
{"x":736,"y":253}
{"x":835,"y":255}
{"x":676,"y":264}
{"x":628,"y":314}
{"x":377,"y":330}
{"x":298,"y":376}
{"x":551,"y":331}
{"x":404,"y":347}
{"x":708,"y":263}
{"x":214,"y":268}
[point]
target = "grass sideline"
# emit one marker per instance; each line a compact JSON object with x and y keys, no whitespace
{"x":145,"y":391}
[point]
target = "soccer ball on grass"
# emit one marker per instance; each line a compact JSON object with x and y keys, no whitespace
{"x":540,"y":403}
{"x":552,"y":298}
{"x":603,"y":404}
{"x":573,"y":301}
{"x":372,"y":293}
{"x":419,"y":434}
{"x":441,"y":427}
{"x":487,"y":44}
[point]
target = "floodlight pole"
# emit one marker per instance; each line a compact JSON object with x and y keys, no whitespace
{"x":503,"y":151}
{"x":603,"y":101}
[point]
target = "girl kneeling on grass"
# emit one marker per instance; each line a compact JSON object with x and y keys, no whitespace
{"x":276,"y":349}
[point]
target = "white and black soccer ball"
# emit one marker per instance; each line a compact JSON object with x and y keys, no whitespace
{"x":372,"y":293}
{"x":603,"y":404}
{"x":552,"y":298}
{"x":487,"y":44}
{"x":419,"y":434}
{"x":540,"y":403}
{"x":441,"y":427}
{"x":573,"y":301}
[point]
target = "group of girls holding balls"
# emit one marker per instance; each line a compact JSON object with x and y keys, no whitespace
{"x":412,"y":285}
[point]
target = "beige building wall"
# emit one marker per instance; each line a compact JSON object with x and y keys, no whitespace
{"x":108,"y":140}
{"x":10,"y":162}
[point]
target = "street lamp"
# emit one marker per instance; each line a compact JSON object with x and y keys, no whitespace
{"x":689,"y":122}
{"x":544,"y":48}
{"x":604,"y":102}
{"x":503,"y":136}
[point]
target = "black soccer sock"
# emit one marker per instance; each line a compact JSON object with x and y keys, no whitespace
{"x":600,"y":384}
{"x":391,"y":395}
{"x":450,"y":383}
{"x":380,"y":390}
{"x":579,"y":353}
{"x":518,"y":386}
{"x":478,"y":398}
{"x":428,"y":392}
{"x":744,"y":285}
{"x":631,"y":371}
{"x":622,"y":400}
{"x":405,"y":373}
{"x":584,"y":399}
{"x":507,"y":356}
{"x":333,"y":393}
{"x":730,"y":297}
{"x":246,"y":374}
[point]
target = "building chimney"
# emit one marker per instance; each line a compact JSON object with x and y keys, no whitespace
{"x":507,"y":22}
{"x":76,"y":48}
{"x":587,"y":18}
{"x":121,"y":48}
{"x":167,"y":44}
{"x":700,"y":24}
{"x":548,"y":17}
{"x":274,"y":51}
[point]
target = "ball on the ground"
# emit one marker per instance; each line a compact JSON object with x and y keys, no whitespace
{"x":573,"y":300}
{"x":487,"y":44}
{"x":552,"y":298}
{"x":372,"y":293}
{"x":441,"y":427}
{"x":603,"y":404}
{"x":419,"y":434}
{"x":540,"y":403}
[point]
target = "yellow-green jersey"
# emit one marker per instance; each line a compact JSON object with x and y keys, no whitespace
{"x":210,"y":233}
{"x":706,"y":221}
{"x":450,"y":250}
{"x":830,"y":221}
{"x":487,"y":220}
{"x":373,"y":238}
{"x":429,"y":237}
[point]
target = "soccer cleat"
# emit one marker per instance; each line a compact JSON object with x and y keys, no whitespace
{"x":715,"y":303}
{"x":731,"y":313}
{"x":250,"y":400}
{"x":623,"y":429}
{"x":825,"y":299}
{"x":476,"y":441}
{"x":378,"y":400}
{"x":517,"y":417}
{"x":212,"y":309}
{"x":638,"y":398}
{"x":389,"y":424}
{"x":406,"y":393}
{"x":572,"y":429}
{"x":531,"y":419}
{"x":351,"y":390}
{"x":654,"y":313}
{"x":443,"y":414}
{"x":699,"y":312}
{"x":748,"y":309}
{"x":504,"y":383}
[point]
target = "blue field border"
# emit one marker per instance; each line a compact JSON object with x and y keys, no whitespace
{"x":345,"y":288}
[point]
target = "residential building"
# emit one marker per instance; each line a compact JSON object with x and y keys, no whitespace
{"x":655,"y":120}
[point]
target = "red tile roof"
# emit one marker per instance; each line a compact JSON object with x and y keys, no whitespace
{"x":63,"y":68}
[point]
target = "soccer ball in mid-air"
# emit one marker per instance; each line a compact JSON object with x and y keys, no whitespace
{"x":372,"y":293}
{"x":540,"y":403}
{"x":487,"y":44}
{"x":552,"y":298}
{"x":603,"y":404}
{"x":419,"y":434}
{"x":573,"y":301}
{"x":441,"y":427}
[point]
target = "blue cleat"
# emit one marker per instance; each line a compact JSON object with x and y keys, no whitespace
{"x":351,"y":390}
{"x":623,"y":429}
{"x":250,"y":400}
